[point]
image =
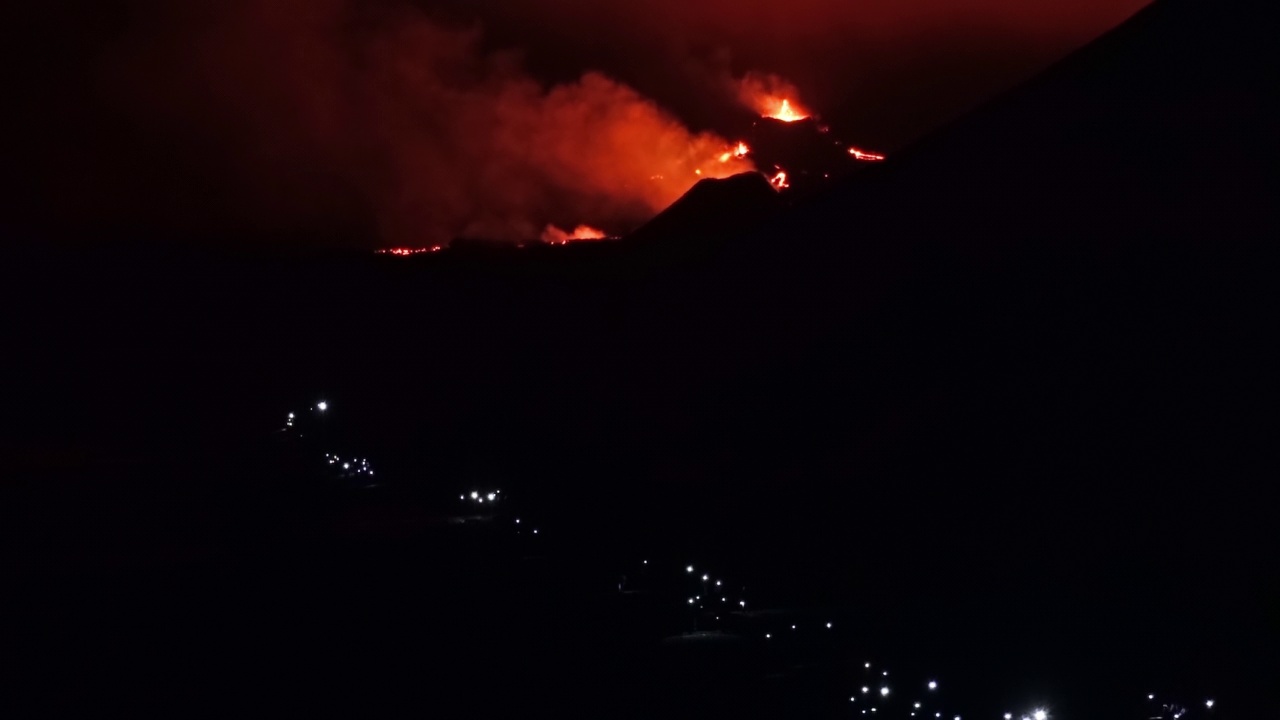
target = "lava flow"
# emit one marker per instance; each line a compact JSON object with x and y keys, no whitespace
{"x":863,"y":155}
{"x":406,"y":252}
{"x":780,"y":180}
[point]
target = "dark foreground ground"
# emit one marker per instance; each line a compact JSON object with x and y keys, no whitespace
{"x":384,"y":603}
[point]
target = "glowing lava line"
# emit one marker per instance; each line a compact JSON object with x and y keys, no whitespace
{"x":406,"y":252}
{"x":866,"y":156}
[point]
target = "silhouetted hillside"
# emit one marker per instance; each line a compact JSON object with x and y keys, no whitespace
{"x":712,"y":211}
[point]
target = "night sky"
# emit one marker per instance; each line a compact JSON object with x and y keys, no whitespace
{"x":377,"y":122}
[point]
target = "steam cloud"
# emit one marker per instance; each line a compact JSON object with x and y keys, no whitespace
{"x":437,"y":138}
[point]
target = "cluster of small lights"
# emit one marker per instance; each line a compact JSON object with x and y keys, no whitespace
{"x":292,"y":418}
{"x":360,"y":466}
{"x":1164,"y":711}
{"x":884,"y":692}
{"x":708,"y":585}
{"x":1174,"y":710}
{"x":716,"y":597}
{"x":344,"y":468}
{"x":351,"y":467}
{"x":480,"y":498}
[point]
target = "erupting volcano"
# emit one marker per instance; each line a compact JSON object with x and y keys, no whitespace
{"x":627,"y":151}
{"x":782,"y":110}
{"x":771,"y":97}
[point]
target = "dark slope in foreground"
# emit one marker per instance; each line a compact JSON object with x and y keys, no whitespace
{"x":712,"y":212}
{"x":1108,"y":217}
{"x":1035,"y":349}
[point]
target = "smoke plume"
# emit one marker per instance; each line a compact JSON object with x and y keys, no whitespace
{"x":413,"y":122}
{"x":295,"y":108}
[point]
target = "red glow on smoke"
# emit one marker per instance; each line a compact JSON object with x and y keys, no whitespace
{"x":771,"y":97}
{"x":782,"y":110}
{"x":555,"y":236}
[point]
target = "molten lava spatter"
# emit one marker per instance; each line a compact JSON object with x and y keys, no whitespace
{"x":783,"y":110}
{"x":555,"y":236}
{"x":771,"y":97}
{"x":780,"y":180}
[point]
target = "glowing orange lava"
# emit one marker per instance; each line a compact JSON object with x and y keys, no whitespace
{"x":863,"y":155}
{"x":555,"y":236}
{"x":782,"y":109}
{"x":780,"y":180}
{"x":738,"y":151}
{"x":406,"y":252}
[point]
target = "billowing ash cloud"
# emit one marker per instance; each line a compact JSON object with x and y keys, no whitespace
{"x":437,"y":137}
{"x":418,"y":121}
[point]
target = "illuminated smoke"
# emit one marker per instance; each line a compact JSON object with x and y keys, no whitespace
{"x":771,"y":97}
{"x":431,"y":136}
{"x":331,"y":120}
{"x":555,"y":236}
